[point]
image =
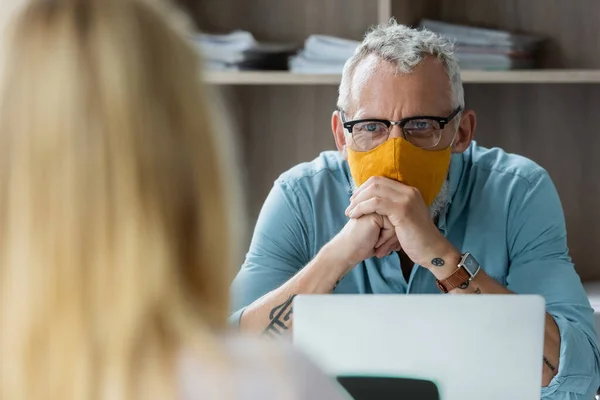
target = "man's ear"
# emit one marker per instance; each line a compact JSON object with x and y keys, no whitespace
{"x":466,"y":131}
{"x":339,"y":133}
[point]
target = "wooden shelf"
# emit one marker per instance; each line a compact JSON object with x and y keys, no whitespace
{"x":270,"y":78}
{"x":533,"y":76}
{"x":288,"y":78}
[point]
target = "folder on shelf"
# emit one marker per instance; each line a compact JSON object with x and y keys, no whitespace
{"x":323,"y":55}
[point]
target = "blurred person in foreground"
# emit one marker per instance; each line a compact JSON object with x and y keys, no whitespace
{"x":117,"y":204}
{"x":411,"y":204}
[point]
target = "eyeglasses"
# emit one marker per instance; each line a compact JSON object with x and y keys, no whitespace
{"x":422,"y":131}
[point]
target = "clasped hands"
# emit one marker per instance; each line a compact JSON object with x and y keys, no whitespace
{"x":404,"y":220}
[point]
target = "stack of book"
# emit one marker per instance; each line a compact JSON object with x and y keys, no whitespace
{"x":323,"y":55}
{"x":239,"y":50}
{"x":488,"y":49}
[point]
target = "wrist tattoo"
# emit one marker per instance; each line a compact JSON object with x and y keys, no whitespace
{"x":438,"y":262}
{"x":464,"y":285}
{"x":280,"y":318}
{"x":552,"y":367}
{"x":477,"y":291}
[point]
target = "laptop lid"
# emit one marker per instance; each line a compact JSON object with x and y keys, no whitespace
{"x":471,"y":347}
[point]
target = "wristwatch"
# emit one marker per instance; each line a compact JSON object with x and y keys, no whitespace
{"x":468,"y":267}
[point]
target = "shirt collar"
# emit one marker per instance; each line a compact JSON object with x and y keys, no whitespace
{"x":456,"y":171}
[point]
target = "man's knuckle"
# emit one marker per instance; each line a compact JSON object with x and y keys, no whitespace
{"x":403,"y":201}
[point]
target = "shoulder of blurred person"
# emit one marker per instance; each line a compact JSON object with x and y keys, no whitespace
{"x":259,"y":369}
{"x":142,"y":265}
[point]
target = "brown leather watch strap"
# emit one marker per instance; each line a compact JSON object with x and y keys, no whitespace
{"x":458,"y":277}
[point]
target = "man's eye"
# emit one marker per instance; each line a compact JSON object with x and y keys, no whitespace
{"x":371,"y":127}
{"x":420,"y":124}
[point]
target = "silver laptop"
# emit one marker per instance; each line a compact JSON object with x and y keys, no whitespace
{"x":471,"y":346}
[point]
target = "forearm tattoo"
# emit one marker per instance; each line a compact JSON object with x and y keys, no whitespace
{"x":280,"y":317}
{"x":552,"y":367}
{"x":477,"y":291}
{"x":438,"y":262}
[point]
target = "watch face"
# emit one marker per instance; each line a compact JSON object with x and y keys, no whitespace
{"x":471,"y":264}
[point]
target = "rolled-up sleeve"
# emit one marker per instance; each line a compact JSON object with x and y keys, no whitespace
{"x":278,"y":250}
{"x":540,"y":264}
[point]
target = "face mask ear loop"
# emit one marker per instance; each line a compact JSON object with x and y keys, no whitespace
{"x":453,"y":138}
{"x":456,"y":132}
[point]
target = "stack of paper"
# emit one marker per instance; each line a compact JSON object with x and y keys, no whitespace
{"x":488,"y":49}
{"x":239,"y":50}
{"x":323,"y":55}
{"x":224,"y":52}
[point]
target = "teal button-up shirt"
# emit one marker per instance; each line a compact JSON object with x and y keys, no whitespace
{"x":504,"y":209}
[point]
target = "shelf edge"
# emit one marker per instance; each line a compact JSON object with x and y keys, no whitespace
{"x":490,"y":77}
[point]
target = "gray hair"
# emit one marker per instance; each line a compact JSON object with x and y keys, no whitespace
{"x":406,"y":48}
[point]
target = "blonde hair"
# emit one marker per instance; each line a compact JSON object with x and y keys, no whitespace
{"x":115,"y":229}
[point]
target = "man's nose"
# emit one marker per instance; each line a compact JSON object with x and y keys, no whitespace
{"x":396,"y":131}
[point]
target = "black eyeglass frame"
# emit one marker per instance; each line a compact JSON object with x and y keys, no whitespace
{"x":442,"y":121}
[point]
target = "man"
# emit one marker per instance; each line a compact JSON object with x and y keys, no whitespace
{"x":410,"y":204}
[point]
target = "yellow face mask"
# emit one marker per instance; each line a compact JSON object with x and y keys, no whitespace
{"x":400,"y":160}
